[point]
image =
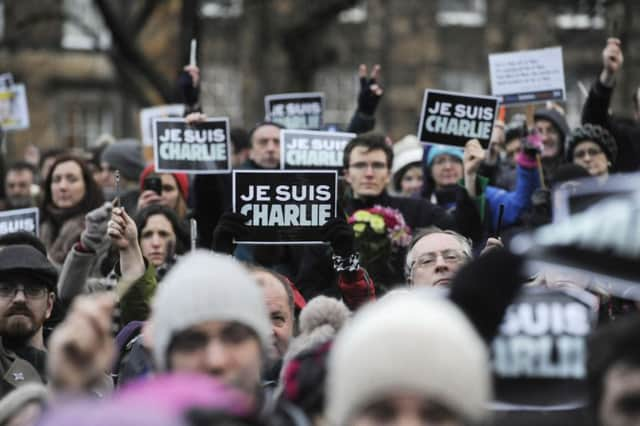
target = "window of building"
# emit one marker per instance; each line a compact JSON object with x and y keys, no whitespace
{"x":83,"y":115}
{"x":340,"y":87}
{"x":1,"y":19}
{"x":464,"y":82}
{"x":221,"y":92}
{"x":221,"y":8}
{"x":581,"y":15}
{"x":466,"y":13}
{"x":83,"y":27}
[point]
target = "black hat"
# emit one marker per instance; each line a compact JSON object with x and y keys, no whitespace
{"x":598,"y":135}
{"x":25,"y":258}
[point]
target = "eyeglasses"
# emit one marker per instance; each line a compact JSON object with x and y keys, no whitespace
{"x":9,"y":291}
{"x":426,"y":260}
{"x":377,"y":166}
{"x":581,"y":153}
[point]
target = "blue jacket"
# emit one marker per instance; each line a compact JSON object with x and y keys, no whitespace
{"x":515,"y":202}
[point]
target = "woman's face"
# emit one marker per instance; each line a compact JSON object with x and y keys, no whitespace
{"x":411,"y":183}
{"x":170,"y":192}
{"x":155,"y":238}
{"x":403,"y":410}
{"x":446,"y":170}
{"x":67,"y":185}
{"x":590,"y":156}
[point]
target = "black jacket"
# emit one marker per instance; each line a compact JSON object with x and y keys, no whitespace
{"x":626,"y":132}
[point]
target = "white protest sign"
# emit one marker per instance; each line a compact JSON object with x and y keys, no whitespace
{"x":295,"y":110}
{"x":308,"y":149}
{"x":14,"y":113}
{"x":148,"y":114}
{"x":529,"y":76}
{"x":26,"y":220}
{"x":285,"y":206}
{"x":198,"y":148}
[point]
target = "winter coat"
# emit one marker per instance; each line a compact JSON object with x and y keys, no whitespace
{"x":626,"y":132}
{"x":16,"y":371}
{"x":59,"y":244}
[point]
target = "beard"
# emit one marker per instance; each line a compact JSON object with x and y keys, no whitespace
{"x":19,"y":324}
{"x":20,"y":202}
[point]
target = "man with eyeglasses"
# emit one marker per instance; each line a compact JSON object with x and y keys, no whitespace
{"x":27,"y":293}
{"x":434,"y":257}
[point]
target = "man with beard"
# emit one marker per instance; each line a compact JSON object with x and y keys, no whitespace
{"x":27,"y":283}
{"x":17,"y":186}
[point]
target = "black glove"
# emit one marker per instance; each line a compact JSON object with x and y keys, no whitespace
{"x":230,"y":226}
{"x":340,"y":235}
{"x":190,"y":94}
{"x":367,"y":98}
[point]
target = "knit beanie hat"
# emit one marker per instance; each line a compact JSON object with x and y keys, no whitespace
{"x":556,"y":118}
{"x":596,"y":134}
{"x":126,"y":156}
{"x":17,"y":399}
{"x":408,"y":343}
{"x":201,"y":287}
{"x":406,"y":151}
{"x":436,"y":150}
{"x":181,"y":178}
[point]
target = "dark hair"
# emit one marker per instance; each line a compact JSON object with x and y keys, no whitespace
{"x":182,"y":236}
{"x":397,"y":177}
{"x":372,"y":142}
{"x":262,"y":124}
{"x":21,"y":165}
{"x":616,"y":343}
{"x":239,"y":139}
{"x":25,"y":238}
{"x":92,"y":196}
{"x":51,"y":152}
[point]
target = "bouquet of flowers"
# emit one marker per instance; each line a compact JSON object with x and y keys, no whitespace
{"x":382,"y":220}
{"x":381,"y":238}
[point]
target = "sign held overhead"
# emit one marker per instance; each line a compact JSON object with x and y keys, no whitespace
{"x":295,"y":110}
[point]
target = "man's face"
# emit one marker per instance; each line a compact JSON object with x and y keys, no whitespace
{"x":550,"y":138}
{"x":229,"y":351}
{"x":620,"y":405}
{"x":265,"y":147}
{"x":435,"y":260}
{"x":24,"y":306}
{"x":18,"y":187}
{"x":275,"y":296}
{"x":405,"y":409}
{"x":368,"y":173}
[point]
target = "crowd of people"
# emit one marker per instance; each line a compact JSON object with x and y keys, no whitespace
{"x":116,"y":313}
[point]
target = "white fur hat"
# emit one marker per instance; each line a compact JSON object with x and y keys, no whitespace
{"x":406,"y":151}
{"x":408,"y":343}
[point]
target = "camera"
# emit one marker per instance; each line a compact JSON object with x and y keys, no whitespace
{"x":152,"y":183}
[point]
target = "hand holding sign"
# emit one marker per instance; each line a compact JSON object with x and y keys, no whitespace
{"x":229,"y":227}
{"x":473,"y":156}
{"x":122,"y":229}
{"x":370,"y":90}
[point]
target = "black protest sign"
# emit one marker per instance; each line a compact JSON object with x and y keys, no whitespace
{"x":307,"y":149}
{"x":295,"y":110}
{"x":542,"y":344}
{"x":202,"y":147}
{"x":449,"y":118}
{"x":25,"y":220}
{"x":285,"y":207}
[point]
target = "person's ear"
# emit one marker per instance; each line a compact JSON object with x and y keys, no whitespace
{"x":51,"y":298}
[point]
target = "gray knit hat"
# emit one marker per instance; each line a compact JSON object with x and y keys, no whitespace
{"x":201,"y":287}
{"x":126,"y":156}
{"x":404,"y":342}
{"x":18,"y":398}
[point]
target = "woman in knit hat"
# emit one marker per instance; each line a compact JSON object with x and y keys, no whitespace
{"x":174,"y":191}
{"x":593,"y":148}
{"x":408,"y":358}
{"x":407,"y":172}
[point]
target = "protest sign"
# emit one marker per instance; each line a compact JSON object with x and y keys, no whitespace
{"x":578,"y":195}
{"x":528,"y":76}
{"x":200,"y":148}
{"x":295,"y":110}
{"x":285,"y":207}
{"x":148,"y":114}
{"x":539,"y":355}
{"x":307,"y":149}
{"x":26,"y":220}
{"x":449,"y":118}
{"x":14,"y":113}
